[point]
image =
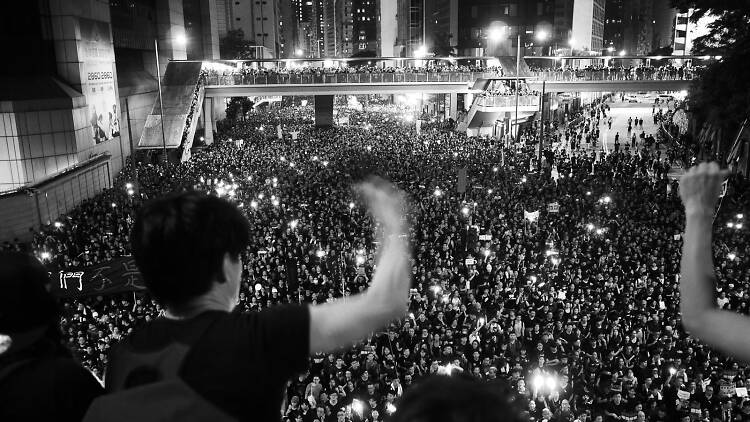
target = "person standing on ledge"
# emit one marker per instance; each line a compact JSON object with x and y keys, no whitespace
{"x":189,"y":248}
{"x":701,"y":316}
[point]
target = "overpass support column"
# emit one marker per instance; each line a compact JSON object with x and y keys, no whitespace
{"x":209,"y":124}
{"x":219,"y":105}
{"x":453,"y":106}
{"x":323,"y":110}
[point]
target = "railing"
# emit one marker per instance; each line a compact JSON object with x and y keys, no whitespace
{"x":431,"y":77}
{"x":614,"y":75}
{"x":346,"y":78}
{"x":507,"y":101}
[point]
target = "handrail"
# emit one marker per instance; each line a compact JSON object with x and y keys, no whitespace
{"x":235,"y":79}
{"x":345,"y":78}
{"x":507,"y":100}
{"x":615,"y":75}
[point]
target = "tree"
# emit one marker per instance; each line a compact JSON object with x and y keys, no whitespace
{"x":238,"y":107}
{"x":234,"y":46}
{"x":720,"y":95}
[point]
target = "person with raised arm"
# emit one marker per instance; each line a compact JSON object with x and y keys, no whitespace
{"x":701,"y":316}
{"x":205,"y":361}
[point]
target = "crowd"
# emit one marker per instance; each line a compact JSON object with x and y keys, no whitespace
{"x":616,"y":73}
{"x":562,"y":282}
{"x":194,"y":104}
{"x":430,"y":67}
{"x":506,"y":88}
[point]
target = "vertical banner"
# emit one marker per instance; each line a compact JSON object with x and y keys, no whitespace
{"x":279,"y":133}
{"x":98,"y":80}
{"x":419,"y":126}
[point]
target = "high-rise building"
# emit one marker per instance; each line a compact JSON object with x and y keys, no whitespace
{"x":492,"y":27}
{"x":441,"y":25}
{"x":614,"y":17}
{"x":298,"y":29}
{"x":387,"y":28}
{"x":365,"y":26}
{"x":686,"y":31}
{"x":411,"y":32}
{"x":259,"y":20}
{"x":638,"y":27}
{"x":587,"y":29}
{"x":338,"y":28}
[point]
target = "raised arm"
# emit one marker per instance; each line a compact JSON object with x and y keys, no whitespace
{"x":701,"y":316}
{"x":342,"y":322}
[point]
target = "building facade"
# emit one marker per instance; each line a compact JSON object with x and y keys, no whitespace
{"x":638,"y":27}
{"x":69,"y":118}
{"x":365,"y":26}
{"x":587,"y":29}
{"x":259,"y":20}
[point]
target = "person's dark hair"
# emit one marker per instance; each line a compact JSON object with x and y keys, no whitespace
{"x":179,"y":242}
{"x":29,"y":313}
{"x":457,"y":398}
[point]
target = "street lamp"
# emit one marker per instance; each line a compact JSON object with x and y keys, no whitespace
{"x":181,"y":41}
{"x":496,"y":33}
{"x":541,"y":36}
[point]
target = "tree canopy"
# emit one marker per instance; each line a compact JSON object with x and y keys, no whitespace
{"x":722,"y":93}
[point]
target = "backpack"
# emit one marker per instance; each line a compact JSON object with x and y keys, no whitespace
{"x":146,"y":387}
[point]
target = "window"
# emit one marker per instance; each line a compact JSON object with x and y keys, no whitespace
{"x":236,"y":18}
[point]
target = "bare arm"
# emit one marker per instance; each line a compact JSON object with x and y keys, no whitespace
{"x":344,"y":321}
{"x":701,"y":316}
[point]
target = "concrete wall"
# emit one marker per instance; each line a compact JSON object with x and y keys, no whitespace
{"x":140,"y":105}
{"x":33,"y":144}
{"x":25,"y":210}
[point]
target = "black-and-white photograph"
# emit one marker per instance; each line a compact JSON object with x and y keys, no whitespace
{"x":375,"y":211}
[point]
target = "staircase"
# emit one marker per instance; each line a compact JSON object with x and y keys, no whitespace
{"x":179,"y":85}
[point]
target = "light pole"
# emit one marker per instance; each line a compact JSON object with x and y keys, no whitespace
{"x":541,"y":123}
{"x":180,"y":40}
{"x":518,"y":69}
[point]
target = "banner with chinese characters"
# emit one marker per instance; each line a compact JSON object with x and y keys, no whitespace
{"x":116,"y":276}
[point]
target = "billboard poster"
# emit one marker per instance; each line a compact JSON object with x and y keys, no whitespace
{"x":98,"y":81}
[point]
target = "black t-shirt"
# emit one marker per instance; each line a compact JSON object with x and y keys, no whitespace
{"x":47,"y":389}
{"x":242,"y":362}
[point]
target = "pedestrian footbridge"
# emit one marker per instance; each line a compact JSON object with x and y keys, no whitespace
{"x":191,"y":88}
